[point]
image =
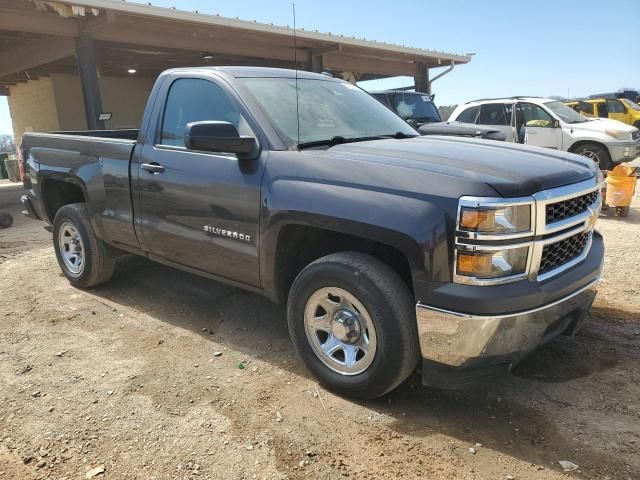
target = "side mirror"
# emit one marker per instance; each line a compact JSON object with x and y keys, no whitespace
{"x":556,"y":123}
{"x":215,"y":136}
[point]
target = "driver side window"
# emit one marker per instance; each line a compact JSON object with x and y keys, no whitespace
{"x":615,"y":106}
{"x":194,"y":100}
{"x":534,"y":116}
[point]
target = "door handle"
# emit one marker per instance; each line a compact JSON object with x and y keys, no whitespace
{"x":153,"y":167}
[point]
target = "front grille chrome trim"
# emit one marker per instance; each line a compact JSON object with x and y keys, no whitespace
{"x":566,"y":266}
{"x":559,"y":194}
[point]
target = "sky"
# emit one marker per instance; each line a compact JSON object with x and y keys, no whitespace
{"x":539,"y":47}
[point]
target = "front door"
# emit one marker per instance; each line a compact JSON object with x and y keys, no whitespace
{"x":617,"y":111}
{"x":540,"y":128}
{"x":199,"y":209}
{"x":499,"y":117}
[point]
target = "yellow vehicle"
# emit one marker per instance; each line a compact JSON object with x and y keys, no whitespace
{"x":621,"y":109}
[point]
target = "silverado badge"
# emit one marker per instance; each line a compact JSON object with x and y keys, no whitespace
{"x":221,"y":232}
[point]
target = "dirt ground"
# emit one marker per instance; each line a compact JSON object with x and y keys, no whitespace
{"x":126,"y":377}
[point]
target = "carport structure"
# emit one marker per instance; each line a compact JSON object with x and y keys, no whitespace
{"x":102,"y":46}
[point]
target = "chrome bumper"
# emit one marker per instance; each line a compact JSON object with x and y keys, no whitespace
{"x":455,"y":339}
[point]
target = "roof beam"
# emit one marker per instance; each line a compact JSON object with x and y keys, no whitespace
{"x":37,"y":22}
{"x":322,"y":50}
{"x":34,"y":54}
{"x":143,"y":32}
{"x":347,"y":63}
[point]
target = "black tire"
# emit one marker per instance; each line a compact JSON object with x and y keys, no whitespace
{"x":98,"y":257}
{"x":6,"y":220}
{"x":637,"y":124}
{"x":598,"y":153}
{"x":389,"y":305}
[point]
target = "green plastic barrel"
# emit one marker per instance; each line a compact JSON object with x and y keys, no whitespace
{"x":3,"y":169}
{"x":13,"y":171}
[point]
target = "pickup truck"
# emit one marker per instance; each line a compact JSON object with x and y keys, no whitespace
{"x":387,"y":248}
{"x":419,"y":111}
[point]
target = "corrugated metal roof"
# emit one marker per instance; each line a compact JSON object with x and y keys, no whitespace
{"x":174,"y":14}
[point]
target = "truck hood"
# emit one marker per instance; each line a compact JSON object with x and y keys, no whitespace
{"x":511,"y":170}
{"x":601,"y":124}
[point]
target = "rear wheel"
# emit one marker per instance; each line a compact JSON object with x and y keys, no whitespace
{"x":352,"y":320}
{"x":597,"y":153}
{"x":84,"y":259}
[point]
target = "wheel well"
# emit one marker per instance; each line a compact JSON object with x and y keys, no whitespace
{"x":299,"y":245}
{"x":58,"y":193}
{"x":579,"y":143}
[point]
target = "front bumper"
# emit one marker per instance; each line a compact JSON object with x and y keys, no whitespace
{"x":473,"y":346}
{"x":624,"y":151}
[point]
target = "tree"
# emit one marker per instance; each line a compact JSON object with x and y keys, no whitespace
{"x":7,"y":144}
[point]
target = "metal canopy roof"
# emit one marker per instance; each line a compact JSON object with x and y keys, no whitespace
{"x":37,"y":38}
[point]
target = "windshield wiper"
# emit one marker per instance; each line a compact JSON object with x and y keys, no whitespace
{"x":427,"y":119}
{"x":339,"y":139}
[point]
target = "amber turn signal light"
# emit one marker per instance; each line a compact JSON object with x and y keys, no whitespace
{"x":473,"y":264}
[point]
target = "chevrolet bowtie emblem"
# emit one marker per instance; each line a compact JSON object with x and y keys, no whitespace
{"x":594,"y":213}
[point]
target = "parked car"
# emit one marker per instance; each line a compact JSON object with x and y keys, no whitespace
{"x":629,"y":94}
{"x":419,"y":111}
{"x":549,"y":123}
{"x":386,"y":247}
{"x":623,"y":110}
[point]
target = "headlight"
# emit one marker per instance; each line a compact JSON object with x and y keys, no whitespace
{"x":511,"y":219}
{"x":492,"y":264}
{"x":618,"y":134}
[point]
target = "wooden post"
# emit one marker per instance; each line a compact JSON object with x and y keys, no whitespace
{"x":421,"y":78}
{"x":88,"y":70}
{"x":317,"y":63}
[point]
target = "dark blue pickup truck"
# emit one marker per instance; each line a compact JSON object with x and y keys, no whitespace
{"x":388,"y":248}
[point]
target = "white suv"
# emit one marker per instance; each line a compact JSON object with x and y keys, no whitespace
{"x":545,"y":122}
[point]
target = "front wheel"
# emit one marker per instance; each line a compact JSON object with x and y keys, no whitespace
{"x":84,"y":259}
{"x":352,"y":320}
{"x":598,"y":153}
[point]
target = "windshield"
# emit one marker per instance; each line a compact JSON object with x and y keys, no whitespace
{"x":564,"y":113}
{"x":630,"y":104}
{"x":414,"y":106}
{"x":327,"y":109}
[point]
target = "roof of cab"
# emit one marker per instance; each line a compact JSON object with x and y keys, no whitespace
{"x":505,"y":99}
{"x":252,"y":72}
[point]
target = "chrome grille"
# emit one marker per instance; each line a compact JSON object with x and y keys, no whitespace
{"x":556,"y":254}
{"x":635,"y":135}
{"x":569,"y":208}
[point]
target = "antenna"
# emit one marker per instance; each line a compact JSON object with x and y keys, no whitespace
{"x":295,"y":63}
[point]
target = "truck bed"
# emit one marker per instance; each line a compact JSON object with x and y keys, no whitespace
{"x":99,"y":163}
{"x":121,"y":133}
{"x":76,"y":149}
